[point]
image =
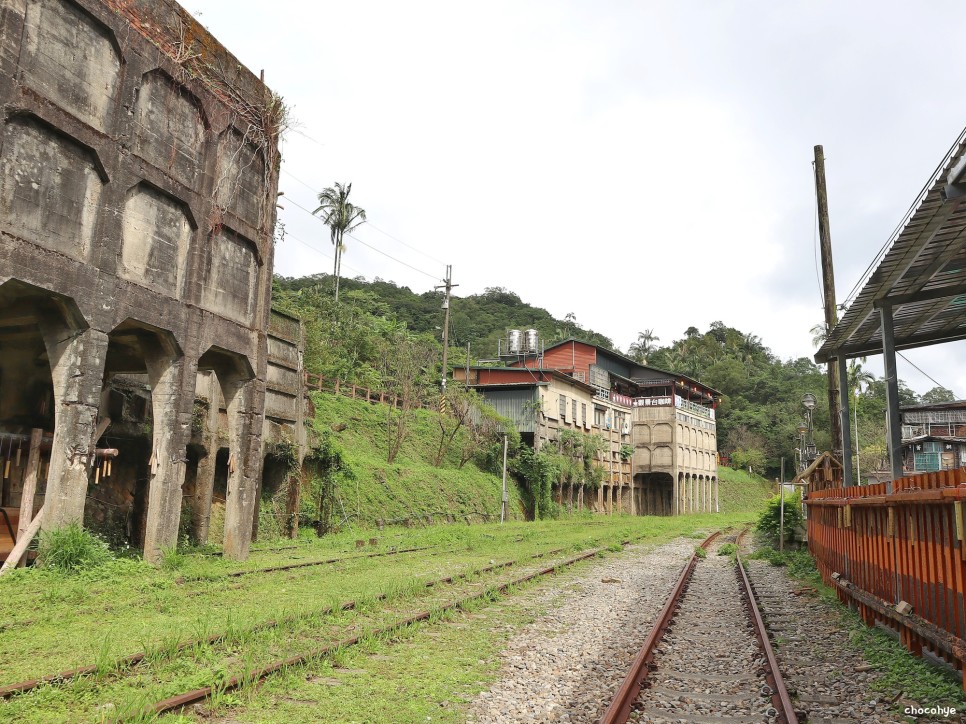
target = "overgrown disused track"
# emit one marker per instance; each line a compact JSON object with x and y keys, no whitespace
{"x":126,"y":662}
{"x":707,"y":656}
{"x":192,"y":697}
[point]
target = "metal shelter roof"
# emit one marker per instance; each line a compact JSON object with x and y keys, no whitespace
{"x":920,"y":273}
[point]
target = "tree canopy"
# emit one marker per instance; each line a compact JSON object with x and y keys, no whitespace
{"x":759,"y":411}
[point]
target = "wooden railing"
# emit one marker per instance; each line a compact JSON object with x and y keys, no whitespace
{"x":899,"y":557}
{"x":356,"y":392}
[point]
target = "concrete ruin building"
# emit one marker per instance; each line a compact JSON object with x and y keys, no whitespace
{"x":138,"y":181}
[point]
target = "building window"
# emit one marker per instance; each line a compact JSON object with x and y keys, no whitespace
{"x":574,"y":410}
{"x":599,"y":416}
{"x":583,"y":414}
{"x":563,"y":407}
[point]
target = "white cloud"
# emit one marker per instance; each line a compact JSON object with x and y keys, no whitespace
{"x":641,"y":164}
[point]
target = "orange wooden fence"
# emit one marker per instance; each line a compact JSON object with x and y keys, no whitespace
{"x":886,"y":552}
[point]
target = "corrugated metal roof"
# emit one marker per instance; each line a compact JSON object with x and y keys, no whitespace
{"x":632,"y":363}
{"x":920,"y":273}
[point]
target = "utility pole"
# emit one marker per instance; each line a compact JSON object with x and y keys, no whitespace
{"x":828,"y":288}
{"x":505,"y":497}
{"x":448,"y":286}
{"x":781,"y":524}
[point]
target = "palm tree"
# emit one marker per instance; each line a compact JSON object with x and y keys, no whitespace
{"x":819,"y":334}
{"x":644,"y":345}
{"x":341,"y":217}
{"x":859,"y":377}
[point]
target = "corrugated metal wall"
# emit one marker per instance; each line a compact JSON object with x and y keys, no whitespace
{"x":513,"y":405}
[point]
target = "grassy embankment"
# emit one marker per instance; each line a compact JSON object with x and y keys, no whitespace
{"x":410,"y":487}
{"x":740,"y":491}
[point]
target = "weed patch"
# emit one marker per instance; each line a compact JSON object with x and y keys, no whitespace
{"x":71,"y":549}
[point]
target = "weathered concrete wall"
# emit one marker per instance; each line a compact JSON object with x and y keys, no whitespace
{"x":139,"y":169}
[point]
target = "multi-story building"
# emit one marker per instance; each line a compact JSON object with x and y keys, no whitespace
{"x":659,"y":426}
{"x":933,"y":437}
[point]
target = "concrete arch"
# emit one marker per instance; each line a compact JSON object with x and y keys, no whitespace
{"x":238,"y":177}
{"x":236,"y":379}
{"x":51,"y":186}
{"x":52,"y":370}
{"x":156,"y":234}
{"x":141,"y":353}
{"x":170,"y":126}
{"x":642,"y":431}
{"x":86,"y":82}
{"x":234,"y":265}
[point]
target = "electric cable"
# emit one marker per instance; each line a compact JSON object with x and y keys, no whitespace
{"x":356,"y":238}
{"x":922,"y":372}
{"x":369,"y":224}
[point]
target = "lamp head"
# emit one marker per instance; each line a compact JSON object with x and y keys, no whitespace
{"x":808,"y":399}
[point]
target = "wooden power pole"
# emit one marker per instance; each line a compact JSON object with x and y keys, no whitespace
{"x":828,"y":288}
{"x":448,"y":286}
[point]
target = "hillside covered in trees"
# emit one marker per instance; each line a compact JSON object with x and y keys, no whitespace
{"x":379,"y":328}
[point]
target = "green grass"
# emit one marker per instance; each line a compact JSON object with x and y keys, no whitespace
{"x":71,"y":549}
{"x":410,"y":487}
{"x":53,"y":621}
{"x":740,"y":491}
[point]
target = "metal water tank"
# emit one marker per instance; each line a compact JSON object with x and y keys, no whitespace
{"x":532,"y":338}
{"x":514,"y":341}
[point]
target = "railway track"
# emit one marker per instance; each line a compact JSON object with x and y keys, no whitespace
{"x":127,"y":662}
{"x":315,"y":634}
{"x":708,"y":657}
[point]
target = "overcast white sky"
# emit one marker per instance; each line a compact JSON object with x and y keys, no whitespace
{"x":640,"y":164}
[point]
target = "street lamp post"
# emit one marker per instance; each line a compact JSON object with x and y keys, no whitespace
{"x":800,"y":452}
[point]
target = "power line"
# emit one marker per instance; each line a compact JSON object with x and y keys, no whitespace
{"x":289,"y":235}
{"x":369,"y":223}
{"x":924,"y":374}
{"x":386,"y":233}
{"x":434,"y":277}
{"x":905,"y":218}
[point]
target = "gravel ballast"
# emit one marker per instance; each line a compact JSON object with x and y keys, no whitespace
{"x":567,"y":664}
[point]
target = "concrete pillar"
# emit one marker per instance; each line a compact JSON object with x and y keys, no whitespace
{"x":717,"y":505}
{"x":77,"y":369}
{"x":245,"y":445}
{"x":172,"y":399}
{"x":205,"y":478}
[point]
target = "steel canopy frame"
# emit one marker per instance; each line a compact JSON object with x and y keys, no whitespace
{"x":916,"y":293}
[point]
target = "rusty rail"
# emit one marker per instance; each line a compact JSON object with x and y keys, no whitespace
{"x":880,"y":549}
{"x":309,"y":564}
{"x":620,"y":707}
{"x":773,"y":675}
{"x":182,"y":700}
{"x":130,"y":660}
